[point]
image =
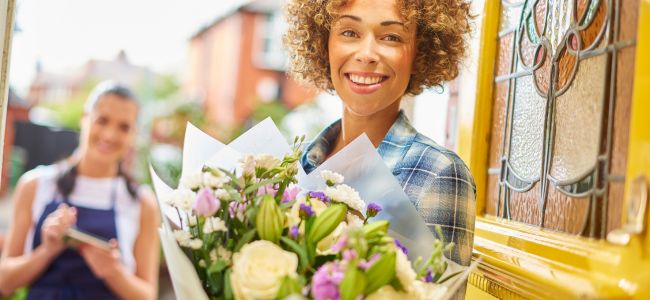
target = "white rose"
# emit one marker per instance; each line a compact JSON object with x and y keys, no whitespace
{"x":259,"y":268}
{"x":331,"y":178}
{"x":213,"y":224}
{"x":404,"y":271}
{"x":192,"y":181}
{"x":266,"y":161}
{"x":347,"y":195}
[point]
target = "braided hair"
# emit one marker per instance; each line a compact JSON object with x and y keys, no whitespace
{"x":67,"y":178}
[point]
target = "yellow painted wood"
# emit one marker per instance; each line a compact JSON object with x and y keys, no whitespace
{"x":638,"y":161}
{"x":7,"y":8}
{"x":474,"y":293}
{"x":474,"y":126}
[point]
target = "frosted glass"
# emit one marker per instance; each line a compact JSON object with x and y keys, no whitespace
{"x":510,"y":14}
{"x":527,"y":130}
{"x":578,"y":118}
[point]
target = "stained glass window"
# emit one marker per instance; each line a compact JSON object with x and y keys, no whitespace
{"x":558,"y":94}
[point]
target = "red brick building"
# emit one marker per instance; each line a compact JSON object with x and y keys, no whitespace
{"x":237,"y":62}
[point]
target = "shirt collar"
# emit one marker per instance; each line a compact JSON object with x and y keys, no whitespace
{"x":393,"y":147}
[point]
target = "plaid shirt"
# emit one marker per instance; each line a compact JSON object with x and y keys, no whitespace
{"x":435,"y":179}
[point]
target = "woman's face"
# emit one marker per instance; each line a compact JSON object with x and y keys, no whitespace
{"x":108,"y":130}
{"x":371,"y":54}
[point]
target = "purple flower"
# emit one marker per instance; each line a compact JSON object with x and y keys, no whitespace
{"x":326,"y":280}
{"x":320,"y":195}
{"x":305,"y":211}
{"x":340,"y":244}
{"x":349,"y":254}
{"x":293,"y":232}
{"x":290,"y":193}
{"x":365,"y":265}
{"x":429,"y":277}
{"x":401,"y":247}
{"x":235,"y":209}
{"x":206,"y":203}
{"x":268,"y":189}
{"x":373,"y":209}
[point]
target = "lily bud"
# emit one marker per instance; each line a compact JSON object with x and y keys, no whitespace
{"x":269,"y":220}
{"x":327,"y":221}
{"x":353,"y":283}
{"x":381,"y":272}
{"x":375,"y":228}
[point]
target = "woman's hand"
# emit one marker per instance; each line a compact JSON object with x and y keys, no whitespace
{"x":55,"y":226}
{"x":104,"y":263}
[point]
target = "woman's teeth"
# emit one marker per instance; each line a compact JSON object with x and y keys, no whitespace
{"x":365,"y":79}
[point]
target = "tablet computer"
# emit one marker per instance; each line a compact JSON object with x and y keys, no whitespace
{"x":74,"y":237}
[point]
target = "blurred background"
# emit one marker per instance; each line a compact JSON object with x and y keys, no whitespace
{"x":217,"y":64}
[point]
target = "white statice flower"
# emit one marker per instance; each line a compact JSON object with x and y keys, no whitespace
{"x":192,"y":220}
{"x":196,"y":244}
{"x":259,"y":268}
{"x":224,"y":253}
{"x":266,"y":161}
{"x":222,"y":194}
{"x":192,"y":181}
{"x":182,"y":237}
{"x":331,"y":178}
{"x":248,"y":164}
{"x":220,"y":253}
{"x":345,"y":194}
{"x":182,"y":199}
{"x":213,"y":224}
{"x":215,"y":182}
{"x":404,"y":271}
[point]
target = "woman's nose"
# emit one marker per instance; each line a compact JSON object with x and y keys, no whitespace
{"x":367,"y":52}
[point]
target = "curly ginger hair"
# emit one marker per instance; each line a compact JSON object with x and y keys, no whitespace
{"x":442,"y":26}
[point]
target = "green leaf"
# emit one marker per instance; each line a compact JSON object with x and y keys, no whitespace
{"x":300,"y":251}
{"x":227,"y":290}
{"x":218,"y":266}
{"x":246,"y":237}
{"x":450,"y":276}
{"x":256,"y":186}
{"x":233,"y":178}
{"x":326,"y":222}
{"x":288,"y":287}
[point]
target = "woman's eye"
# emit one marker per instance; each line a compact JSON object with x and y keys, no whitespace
{"x":102,"y":121}
{"x":125,"y":127}
{"x":392,"y":38}
{"x":349,"y":33}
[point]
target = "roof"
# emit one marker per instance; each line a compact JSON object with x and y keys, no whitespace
{"x":256,"y":6}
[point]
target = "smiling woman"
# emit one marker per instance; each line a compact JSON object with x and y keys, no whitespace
{"x":90,"y":192}
{"x":372,"y":54}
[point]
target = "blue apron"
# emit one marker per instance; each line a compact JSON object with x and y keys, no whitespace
{"x":68,"y":276}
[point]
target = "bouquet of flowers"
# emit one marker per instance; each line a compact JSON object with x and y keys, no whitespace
{"x":251,"y":231}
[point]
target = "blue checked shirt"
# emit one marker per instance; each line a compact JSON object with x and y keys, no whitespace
{"x":435,"y":179}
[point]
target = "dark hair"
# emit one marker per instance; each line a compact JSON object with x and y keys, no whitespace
{"x":66,"y":181}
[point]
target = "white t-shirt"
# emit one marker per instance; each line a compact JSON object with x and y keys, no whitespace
{"x":92,"y":193}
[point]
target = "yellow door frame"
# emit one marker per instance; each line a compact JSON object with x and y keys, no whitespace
{"x":523,"y":260}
